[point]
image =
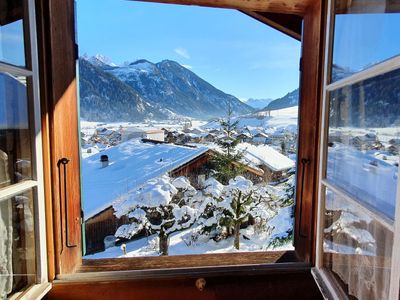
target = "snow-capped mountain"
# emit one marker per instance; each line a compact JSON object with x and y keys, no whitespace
{"x":105,"y":98}
{"x":289,"y":100}
{"x":99,"y":60}
{"x":339,"y":72}
{"x":258,"y":103}
{"x":171,"y":86}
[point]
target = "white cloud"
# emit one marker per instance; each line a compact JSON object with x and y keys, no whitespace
{"x":182,"y":52}
{"x":187,"y":67}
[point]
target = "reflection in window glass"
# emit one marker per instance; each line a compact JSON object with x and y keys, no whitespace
{"x":17,"y":244}
{"x":362,"y":40}
{"x":12,"y":48}
{"x":357,"y":249}
{"x":15,"y":136}
{"x":364,"y":140}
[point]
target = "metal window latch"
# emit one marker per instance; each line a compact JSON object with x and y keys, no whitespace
{"x":304,"y":162}
{"x":62,"y":163}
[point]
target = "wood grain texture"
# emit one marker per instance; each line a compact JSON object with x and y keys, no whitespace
{"x":59,"y":75}
{"x":296,"y":7}
{"x":186,"y":261}
{"x":309,"y":120}
{"x":290,"y":285}
{"x":63,"y":131}
{"x":45,"y":122}
{"x":285,"y":23}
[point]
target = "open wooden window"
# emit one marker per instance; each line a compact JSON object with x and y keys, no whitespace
{"x":58,"y":56}
{"x":358,"y":232}
{"x":23,"y":259}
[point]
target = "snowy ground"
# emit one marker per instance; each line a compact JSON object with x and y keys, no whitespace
{"x":275,"y":237}
{"x":179,"y":245}
{"x":365,"y":175}
{"x":131,"y":164}
{"x":282,"y":120}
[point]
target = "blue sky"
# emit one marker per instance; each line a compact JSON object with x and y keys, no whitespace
{"x":362,"y":40}
{"x":12,"y":43}
{"x":233,"y":52}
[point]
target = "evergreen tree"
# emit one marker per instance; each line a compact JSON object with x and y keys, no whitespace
{"x":226,"y":164}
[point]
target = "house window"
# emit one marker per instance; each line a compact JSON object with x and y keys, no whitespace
{"x":359,"y":200}
{"x":22,"y":242}
{"x":171,"y":164}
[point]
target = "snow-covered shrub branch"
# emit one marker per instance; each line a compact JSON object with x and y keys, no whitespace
{"x":160,"y":206}
{"x":233,"y":206}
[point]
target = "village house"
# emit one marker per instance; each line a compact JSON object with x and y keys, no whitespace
{"x":128,"y":165}
{"x":259,"y":138}
{"x":244,"y":137}
{"x":366,"y":142}
{"x":143,"y":133}
{"x":274,"y":165}
{"x":210,"y":137}
{"x":105,"y":136}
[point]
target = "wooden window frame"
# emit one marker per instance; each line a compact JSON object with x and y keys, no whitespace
{"x":31,"y":70}
{"x":328,"y":284}
{"x":58,"y":54}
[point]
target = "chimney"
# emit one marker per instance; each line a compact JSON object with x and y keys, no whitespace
{"x":104,"y":161}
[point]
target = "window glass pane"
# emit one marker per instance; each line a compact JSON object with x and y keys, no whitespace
{"x":17,"y":243}
{"x":364,"y":35}
{"x":12,"y":48}
{"x":15,"y":135}
{"x":364,"y":140}
{"x":357,"y":249}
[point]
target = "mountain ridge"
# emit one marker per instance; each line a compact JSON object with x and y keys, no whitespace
{"x":167,"y":86}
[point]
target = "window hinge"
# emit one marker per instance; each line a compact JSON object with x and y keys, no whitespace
{"x":301,"y":64}
{"x":76,"y":50}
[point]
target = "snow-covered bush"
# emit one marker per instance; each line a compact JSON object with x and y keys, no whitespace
{"x":159,"y":206}
{"x":230,"y":207}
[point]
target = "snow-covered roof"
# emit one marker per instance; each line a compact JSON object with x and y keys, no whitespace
{"x":142,"y":130}
{"x":265,"y":155}
{"x":104,"y":131}
{"x":131,"y":164}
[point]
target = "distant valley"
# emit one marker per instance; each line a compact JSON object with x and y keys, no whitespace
{"x":258,"y":103}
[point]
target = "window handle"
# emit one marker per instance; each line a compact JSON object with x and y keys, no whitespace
{"x":304,"y":162}
{"x":62,"y":163}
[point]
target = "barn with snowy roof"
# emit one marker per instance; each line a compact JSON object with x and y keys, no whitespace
{"x":274,"y":164}
{"x":110,"y":175}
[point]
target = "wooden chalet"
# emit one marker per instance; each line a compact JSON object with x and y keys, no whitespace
{"x":101,"y":221}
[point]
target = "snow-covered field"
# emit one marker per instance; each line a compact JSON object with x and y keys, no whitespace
{"x":283,"y":120}
{"x":371,"y":180}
